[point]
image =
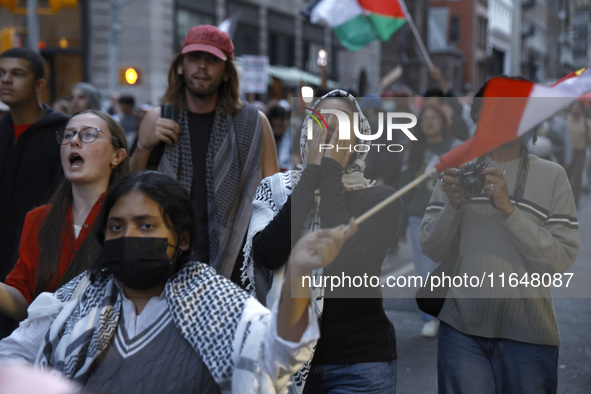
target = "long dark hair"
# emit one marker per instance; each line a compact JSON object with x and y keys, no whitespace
{"x":228,"y":94}
{"x":175,"y":205}
{"x":417,"y":149}
{"x":55,"y":226}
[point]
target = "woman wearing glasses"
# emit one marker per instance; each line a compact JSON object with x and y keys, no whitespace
{"x":54,"y":244}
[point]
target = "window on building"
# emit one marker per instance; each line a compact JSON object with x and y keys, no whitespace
{"x":312,"y":49}
{"x":246,"y":40}
{"x":580,"y":41}
{"x":281,"y":49}
{"x":281,"y":38}
{"x":454,"y":29}
{"x":482,"y":32}
{"x":313,"y":39}
{"x":61,"y":43}
{"x":246,"y":37}
{"x":186,"y":19}
{"x":497,"y":64}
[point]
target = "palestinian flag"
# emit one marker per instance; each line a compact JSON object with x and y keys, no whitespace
{"x":511,"y":108}
{"x":356,"y":23}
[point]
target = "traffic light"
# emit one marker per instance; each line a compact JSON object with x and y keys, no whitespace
{"x":10,"y":4}
{"x":7,"y":36}
{"x":56,"y":5}
{"x":130,"y":75}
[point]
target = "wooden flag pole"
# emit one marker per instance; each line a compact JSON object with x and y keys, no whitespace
{"x":389,"y":78}
{"x":415,"y":32}
{"x":395,"y":196}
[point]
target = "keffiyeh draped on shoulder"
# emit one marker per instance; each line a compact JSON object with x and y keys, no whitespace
{"x":209,"y":310}
{"x":233,"y":172}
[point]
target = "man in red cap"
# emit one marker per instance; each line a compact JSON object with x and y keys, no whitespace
{"x":206,"y":137}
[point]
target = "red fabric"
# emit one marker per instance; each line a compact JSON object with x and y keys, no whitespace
{"x":387,"y":8}
{"x":502,"y":114}
{"x":24,"y":274}
{"x":498,"y":124}
{"x":570,"y":75}
{"x":20,"y":128}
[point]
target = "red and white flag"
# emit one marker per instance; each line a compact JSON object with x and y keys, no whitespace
{"x":511,"y":108}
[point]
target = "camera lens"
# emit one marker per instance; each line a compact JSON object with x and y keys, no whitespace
{"x":472,"y":186}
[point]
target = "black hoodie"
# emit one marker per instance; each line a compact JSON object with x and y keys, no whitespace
{"x":30,"y":169}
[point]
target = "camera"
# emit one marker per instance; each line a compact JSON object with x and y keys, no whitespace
{"x":470,"y":178}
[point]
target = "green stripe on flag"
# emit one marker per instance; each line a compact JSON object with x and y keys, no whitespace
{"x":385,"y":26}
{"x":355,"y":33}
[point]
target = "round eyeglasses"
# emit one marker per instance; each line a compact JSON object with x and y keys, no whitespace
{"x":86,"y":135}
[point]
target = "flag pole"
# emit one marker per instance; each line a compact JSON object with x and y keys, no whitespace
{"x":415,"y":32}
{"x":395,"y":196}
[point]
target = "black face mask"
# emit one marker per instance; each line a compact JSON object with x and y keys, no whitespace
{"x":138,"y":262}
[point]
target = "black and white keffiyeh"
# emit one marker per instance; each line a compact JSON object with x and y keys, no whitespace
{"x":262,"y":282}
{"x":353,"y":178}
{"x":208,"y":309}
{"x":233,"y":172}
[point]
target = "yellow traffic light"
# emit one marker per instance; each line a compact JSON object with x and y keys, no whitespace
{"x":56,"y":5}
{"x":7,"y":38}
{"x":130,"y":75}
{"x":10,"y":4}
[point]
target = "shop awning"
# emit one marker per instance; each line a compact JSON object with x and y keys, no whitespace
{"x":292,"y":76}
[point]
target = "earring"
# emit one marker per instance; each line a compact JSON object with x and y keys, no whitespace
{"x":114,"y":166}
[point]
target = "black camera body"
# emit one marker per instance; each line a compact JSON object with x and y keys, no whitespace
{"x":470,"y":178}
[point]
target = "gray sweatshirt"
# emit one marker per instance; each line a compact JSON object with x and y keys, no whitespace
{"x":540,"y":237}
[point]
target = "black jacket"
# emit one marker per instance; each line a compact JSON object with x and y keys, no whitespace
{"x":30,"y":169}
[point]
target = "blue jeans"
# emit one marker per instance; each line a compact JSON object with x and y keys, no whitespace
{"x":471,"y":364}
{"x":423,"y":264}
{"x":378,"y":378}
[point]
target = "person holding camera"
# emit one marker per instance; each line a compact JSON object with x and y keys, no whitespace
{"x":434,"y":138}
{"x":522,"y":222}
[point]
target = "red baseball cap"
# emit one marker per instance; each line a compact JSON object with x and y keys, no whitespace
{"x":210,"y":39}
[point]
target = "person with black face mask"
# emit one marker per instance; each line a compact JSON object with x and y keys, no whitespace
{"x":139,"y":263}
{"x":145,"y":318}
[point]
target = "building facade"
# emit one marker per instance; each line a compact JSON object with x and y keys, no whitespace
{"x":500,"y":36}
{"x":468,"y":31}
{"x":106,"y":36}
{"x":63,"y":42}
{"x":560,"y":17}
{"x":442,"y":43}
{"x":402,"y":50}
{"x":534,"y":39}
{"x":581,"y":34}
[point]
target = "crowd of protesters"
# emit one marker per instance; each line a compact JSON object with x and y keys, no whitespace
{"x":185,"y":276}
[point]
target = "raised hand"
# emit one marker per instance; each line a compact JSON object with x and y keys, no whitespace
{"x":155,"y":129}
{"x":495,"y":187}
{"x":319,"y":248}
{"x":344,"y":151}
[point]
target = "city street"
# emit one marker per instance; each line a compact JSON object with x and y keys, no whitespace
{"x":417,"y":356}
